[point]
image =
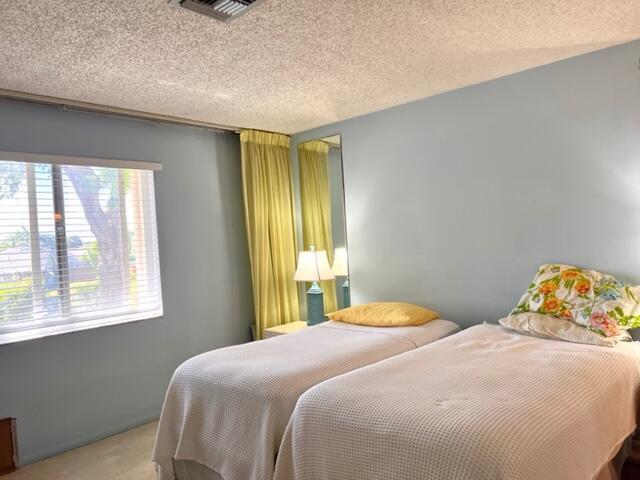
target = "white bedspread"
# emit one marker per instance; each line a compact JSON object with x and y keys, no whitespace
{"x":485,"y":404}
{"x":228,"y":409}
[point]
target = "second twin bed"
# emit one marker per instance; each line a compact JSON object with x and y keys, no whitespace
{"x":484,"y":404}
{"x":349,"y":402}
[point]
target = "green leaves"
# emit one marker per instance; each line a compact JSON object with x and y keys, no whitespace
{"x":11,"y":176}
{"x":627,"y":290}
{"x":628,"y":321}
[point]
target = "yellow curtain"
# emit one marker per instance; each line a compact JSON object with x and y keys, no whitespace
{"x":269,"y":214}
{"x":315,"y":199}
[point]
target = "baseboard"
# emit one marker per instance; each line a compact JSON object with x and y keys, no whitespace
{"x":27,"y":458}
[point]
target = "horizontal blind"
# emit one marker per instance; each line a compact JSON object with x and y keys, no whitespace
{"x":87,"y":161}
{"x":78,"y":243}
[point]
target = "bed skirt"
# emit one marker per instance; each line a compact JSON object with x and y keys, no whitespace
{"x":190,"y":470}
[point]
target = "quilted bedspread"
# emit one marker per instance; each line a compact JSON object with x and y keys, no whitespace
{"x":228,"y":409}
{"x":485,"y":404}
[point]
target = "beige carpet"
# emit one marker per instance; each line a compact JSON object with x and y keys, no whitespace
{"x":126,"y":456}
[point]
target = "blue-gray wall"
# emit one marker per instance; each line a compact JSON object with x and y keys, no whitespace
{"x":453,"y":201}
{"x":70,"y":389}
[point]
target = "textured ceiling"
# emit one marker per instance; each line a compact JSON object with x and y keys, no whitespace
{"x":289,"y":65}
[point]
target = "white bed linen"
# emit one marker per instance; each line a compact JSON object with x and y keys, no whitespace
{"x":485,"y":404}
{"x":228,"y":409}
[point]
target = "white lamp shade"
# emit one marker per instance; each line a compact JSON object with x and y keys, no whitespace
{"x":313,"y":266}
{"x":340,"y":265}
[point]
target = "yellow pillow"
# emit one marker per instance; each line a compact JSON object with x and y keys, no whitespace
{"x":385,"y":314}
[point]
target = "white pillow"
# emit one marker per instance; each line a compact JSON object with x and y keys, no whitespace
{"x":545,"y":326}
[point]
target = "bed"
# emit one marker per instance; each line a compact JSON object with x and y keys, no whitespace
{"x":225,"y":411}
{"x":484,"y":404}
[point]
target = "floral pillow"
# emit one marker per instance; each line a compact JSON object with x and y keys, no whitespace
{"x":594,"y":300}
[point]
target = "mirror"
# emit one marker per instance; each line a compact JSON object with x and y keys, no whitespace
{"x":322,"y":218}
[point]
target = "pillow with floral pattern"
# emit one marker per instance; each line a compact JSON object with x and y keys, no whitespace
{"x":594,"y":300}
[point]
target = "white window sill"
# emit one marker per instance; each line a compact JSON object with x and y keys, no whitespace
{"x":78,"y":326}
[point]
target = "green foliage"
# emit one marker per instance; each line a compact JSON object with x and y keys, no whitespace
{"x":91,"y":255}
{"x":47,"y":240}
{"x":11,"y":176}
{"x":20,"y":237}
{"x":14,"y":298}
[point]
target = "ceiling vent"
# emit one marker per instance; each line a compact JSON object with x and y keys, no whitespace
{"x":223,"y":10}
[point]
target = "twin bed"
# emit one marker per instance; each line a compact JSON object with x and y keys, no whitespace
{"x":226,"y":411}
{"x":339,"y":401}
{"x":484,"y":404}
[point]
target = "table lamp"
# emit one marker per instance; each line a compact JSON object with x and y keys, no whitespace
{"x":313,"y":266}
{"x":341,"y":269}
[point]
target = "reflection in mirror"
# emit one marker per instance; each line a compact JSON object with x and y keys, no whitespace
{"x":323,"y":221}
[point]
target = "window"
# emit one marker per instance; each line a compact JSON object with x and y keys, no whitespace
{"x":78,"y":244}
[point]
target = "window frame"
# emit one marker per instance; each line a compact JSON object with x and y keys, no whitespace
{"x":68,"y":322}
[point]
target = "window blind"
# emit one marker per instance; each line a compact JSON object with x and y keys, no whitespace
{"x":78,"y":247}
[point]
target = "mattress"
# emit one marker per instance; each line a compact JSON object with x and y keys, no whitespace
{"x":228,"y":409}
{"x":485,"y":404}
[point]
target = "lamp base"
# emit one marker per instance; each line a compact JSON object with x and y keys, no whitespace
{"x":346,"y":294}
{"x":315,"y":305}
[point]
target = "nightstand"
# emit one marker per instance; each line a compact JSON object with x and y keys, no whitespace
{"x":283,"y":329}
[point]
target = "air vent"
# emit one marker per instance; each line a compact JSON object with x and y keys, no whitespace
{"x":223,"y":10}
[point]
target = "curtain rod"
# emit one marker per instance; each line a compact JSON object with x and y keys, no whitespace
{"x":123,"y":112}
